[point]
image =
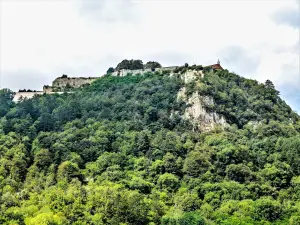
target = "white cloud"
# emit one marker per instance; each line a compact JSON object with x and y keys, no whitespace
{"x":82,"y":38}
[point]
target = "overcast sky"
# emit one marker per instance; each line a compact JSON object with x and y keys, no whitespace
{"x":43,"y":39}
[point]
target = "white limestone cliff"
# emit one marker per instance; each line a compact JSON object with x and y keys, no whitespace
{"x":196,"y":111}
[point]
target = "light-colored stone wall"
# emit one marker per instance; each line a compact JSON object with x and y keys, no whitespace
{"x":75,"y":82}
{"x":169,"y":69}
{"x":28,"y":95}
{"x":47,"y":89}
{"x":124,"y":72}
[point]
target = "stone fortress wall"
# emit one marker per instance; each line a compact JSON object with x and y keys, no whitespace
{"x":124,"y":72}
{"x":47,"y":89}
{"x":60,"y":83}
{"x":64,"y":81}
{"x":22,"y":95}
{"x":74,"y":82}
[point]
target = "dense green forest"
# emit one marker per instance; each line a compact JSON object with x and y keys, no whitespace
{"x":119,"y":152}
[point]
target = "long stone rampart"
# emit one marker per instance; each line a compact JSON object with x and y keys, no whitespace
{"x":63,"y":83}
{"x":75,"y":82}
{"x":27,"y":95}
{"x":124,"y":72}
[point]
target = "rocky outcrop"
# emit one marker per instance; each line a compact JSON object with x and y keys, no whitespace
{"x":201,"y":118}
{"x":191,"y":75}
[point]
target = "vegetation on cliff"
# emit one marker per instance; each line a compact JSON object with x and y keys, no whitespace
{"x":119,"y":152}
{"x":242,"y":100}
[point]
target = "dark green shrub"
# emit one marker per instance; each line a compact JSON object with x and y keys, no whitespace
{"x":152,"y":65}
{"x":110,"y":70}
{"x":130,"y":65}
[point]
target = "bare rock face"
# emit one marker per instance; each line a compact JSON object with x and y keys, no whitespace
{"x":191,"y":75}
{"x":197,"y":112}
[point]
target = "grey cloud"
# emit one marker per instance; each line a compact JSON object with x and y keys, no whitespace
{"x":237,"y":58}
{"x":35,"y":80}
{"x":291,"y":95}
{"x":295,"y":49}
{"x":94,"y":68}
{"x":290,"y":17}
{"x":290,"y":91}
{"x":28,"y":79}
{"x":291,"y":74}
{"x":171,"y":58}
{"x":292,"y":69}
{"x":108,"y":11}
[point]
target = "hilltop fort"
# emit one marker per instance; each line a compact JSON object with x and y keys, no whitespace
{"x":64,"y":83}
{"x":67,"y":84}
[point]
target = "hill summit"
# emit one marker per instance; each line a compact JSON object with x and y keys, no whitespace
{"x":187,"y":145}
{"x":67,"y":84}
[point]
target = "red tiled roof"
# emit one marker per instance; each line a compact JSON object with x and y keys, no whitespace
{"x":216,"y":66}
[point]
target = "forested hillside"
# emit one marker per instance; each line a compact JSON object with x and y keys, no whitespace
{"x":119,"y":152}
